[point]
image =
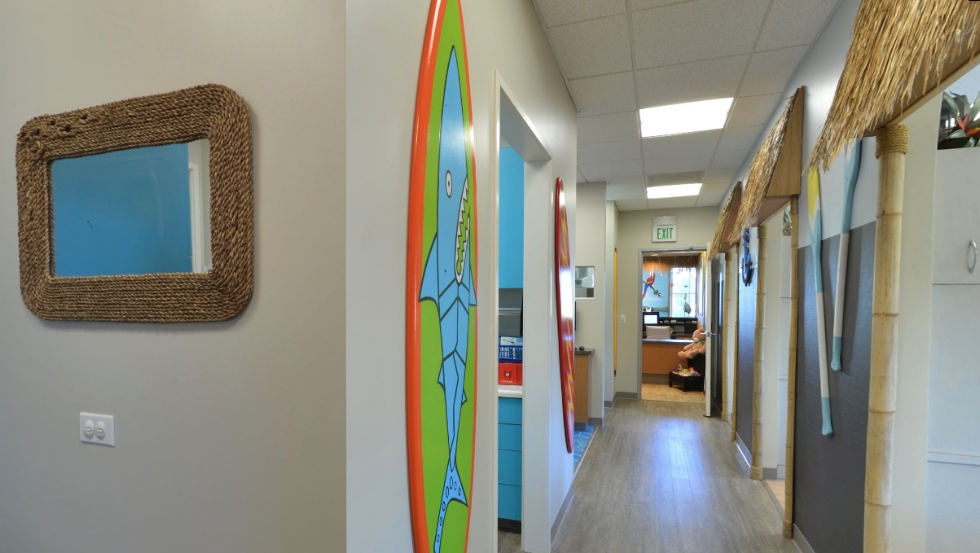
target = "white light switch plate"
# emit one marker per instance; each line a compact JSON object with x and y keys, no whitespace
{"x":622,"y":318}
{"x":97,"y":429}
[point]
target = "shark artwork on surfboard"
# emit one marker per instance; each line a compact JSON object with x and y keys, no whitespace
{"x":441,"y":292}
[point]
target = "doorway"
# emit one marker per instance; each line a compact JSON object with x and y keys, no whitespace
{"x":521,"y":331}
{"x":671,"y":361}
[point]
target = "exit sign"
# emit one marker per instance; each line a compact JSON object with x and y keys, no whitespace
{"x":665,"y":229}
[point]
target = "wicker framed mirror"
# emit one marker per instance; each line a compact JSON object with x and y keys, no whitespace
{"x":211,"y":114}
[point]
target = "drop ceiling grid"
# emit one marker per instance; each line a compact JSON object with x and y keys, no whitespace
{"x":613,"y":66}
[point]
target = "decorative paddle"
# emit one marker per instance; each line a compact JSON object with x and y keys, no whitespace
{"x":851,"y":168}
{"x":816,"y":237}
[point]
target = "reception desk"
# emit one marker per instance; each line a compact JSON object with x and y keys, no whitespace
{"x":660,"y":356}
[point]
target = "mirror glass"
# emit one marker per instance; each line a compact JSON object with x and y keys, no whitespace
{"x":584,"y":282}
{"x":132,"y":212}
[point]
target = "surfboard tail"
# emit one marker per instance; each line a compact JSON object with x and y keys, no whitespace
{"x":452,"y":491}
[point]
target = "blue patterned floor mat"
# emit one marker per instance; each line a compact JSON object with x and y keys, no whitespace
{"x":582,"y":438}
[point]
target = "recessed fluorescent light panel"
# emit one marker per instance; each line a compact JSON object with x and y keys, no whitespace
{"x":707,"y":115}
{"x":673,"y":191}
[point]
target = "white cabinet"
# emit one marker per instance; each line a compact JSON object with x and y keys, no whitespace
{"x":957,"y":216}
{"x":954,"y":377}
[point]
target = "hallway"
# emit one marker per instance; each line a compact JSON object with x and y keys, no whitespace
{"x":659,"y":477}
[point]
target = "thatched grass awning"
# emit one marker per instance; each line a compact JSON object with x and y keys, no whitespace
{"x":724,"y":231}
{"x":775,"y":173}
{"x":901,"y":52}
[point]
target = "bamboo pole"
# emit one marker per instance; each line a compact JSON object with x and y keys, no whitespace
{"x":755,"y":472}
{"x":735,"y":273}
{"x":794,"y":311}
{"x":727,"y":302}
{"x":892,"y":145}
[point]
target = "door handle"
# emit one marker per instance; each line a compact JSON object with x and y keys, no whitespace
{"x":971,"y":256}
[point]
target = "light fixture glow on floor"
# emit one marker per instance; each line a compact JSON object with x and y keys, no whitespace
{"x":706,"y":115}
{"x":673,"y":191}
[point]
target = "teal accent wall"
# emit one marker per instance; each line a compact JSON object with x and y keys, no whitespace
{"x":511,"y":219}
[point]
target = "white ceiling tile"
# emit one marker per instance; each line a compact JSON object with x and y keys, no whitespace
{"x":732,"y":158}
{"x":709,"y":199}
{"x":698,"y":30}
{"x":561,"y":12}
{"x":675,"y":178}
{"x":672,"y":203}
{"x":739,"y":139}
{"x":795,"y":22}
{"x":581,"y":177}
{"x":609,"y":151}
{"x":750,"y":111}
{"x":595,"y":47}
{"x":714,"y":187}
{"x":720,"y":175}
{"x":605,"y":171}
{"x":769,"y":72}
{"x":676,"y":164}
{"x":631,"y":205}
{"x":690,"y":82}
{"x":636,"y":181}
{"x":637,"y":5}
{"x":605,"y":94}
{"x":617,"y":193}
{"x":691,"y":145}
{"x":609,"y":128}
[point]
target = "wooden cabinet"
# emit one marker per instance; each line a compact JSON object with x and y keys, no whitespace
{"x":660,"y":356}
{"x":581,"y":382}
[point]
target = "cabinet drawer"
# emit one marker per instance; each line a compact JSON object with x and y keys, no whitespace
{"x":510,"y":410}
{"x":509,"y":467}
{"x":508,"y":502}
{"x":509,"y":436}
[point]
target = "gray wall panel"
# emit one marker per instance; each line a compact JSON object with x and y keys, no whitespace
{"x":829,"y":489}
{"x":746,"y":355}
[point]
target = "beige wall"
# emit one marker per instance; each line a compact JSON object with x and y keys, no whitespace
{"x":909,"y":476}
{"x":229,"y":436}
{"x":590,"y":250}
{"x":695,"y":228}
{"x":609,"y":385}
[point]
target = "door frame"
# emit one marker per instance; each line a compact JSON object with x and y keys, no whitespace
{"x":700,"y":252}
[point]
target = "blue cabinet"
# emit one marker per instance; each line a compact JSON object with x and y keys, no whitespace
{"x":510,"y":416}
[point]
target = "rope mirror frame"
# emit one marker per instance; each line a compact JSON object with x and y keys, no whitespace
{"x":211,"y":111}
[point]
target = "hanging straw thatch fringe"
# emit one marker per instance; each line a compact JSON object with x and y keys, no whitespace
{"x":721,"y":242}
{"x":760,"y":172}
{"x":900,"y":51}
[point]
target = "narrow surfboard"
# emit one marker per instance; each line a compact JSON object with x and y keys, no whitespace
{"x":851,"y":168}
{"x":816,"y":239}
{"x":441,"y":291}
{"x":566,"y":306}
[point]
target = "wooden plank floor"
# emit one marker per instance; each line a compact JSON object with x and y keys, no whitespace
{"x":659,"y":477}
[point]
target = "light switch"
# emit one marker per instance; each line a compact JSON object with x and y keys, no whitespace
{"x":97,"y":429}
{"x":622,"y":318}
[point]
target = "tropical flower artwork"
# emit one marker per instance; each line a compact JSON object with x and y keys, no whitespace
{"x":959,"y":124}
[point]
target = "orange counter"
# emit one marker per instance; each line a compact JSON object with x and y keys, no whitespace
{"x":660,"y":356}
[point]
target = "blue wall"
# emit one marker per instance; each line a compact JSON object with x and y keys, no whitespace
{"x":511,"y":219}
{"x":122,"y":213}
